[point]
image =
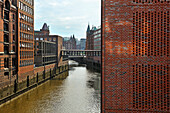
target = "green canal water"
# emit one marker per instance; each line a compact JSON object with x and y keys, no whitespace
{"x":78,"y":93}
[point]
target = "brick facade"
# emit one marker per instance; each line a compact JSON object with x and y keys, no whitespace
{"x":25,"y":38}
{"x":135,"y":57}
{"x":70,"y":44}
{"x":8,"y":42}
{"x":44,"y":36}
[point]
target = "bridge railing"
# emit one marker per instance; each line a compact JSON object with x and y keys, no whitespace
{"x":81,"y":53}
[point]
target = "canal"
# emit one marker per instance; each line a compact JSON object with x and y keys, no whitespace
{"x":78,"y":93}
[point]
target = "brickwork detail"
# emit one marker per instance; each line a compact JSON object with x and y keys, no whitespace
{"x":135,"y":56}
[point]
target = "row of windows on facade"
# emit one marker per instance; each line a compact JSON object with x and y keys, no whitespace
{"x":97,"y":39}
{"x":26,"y":54}
{"x":41,"y":33}
{"x":97,"y":43}
{"x":25,"y":36}
{"x":6,"y":27}
{"x":6,"y":38}
{"x":26,"y":27}
{"x":26,"y":8}
{"x":7,"y":49}
{"x":31,"y":2}
{"x":26,"y":63}
{"x":47,"y":59}
{"x":26,"y":18}
{"x":6,"y":16}
{"x":7,"y":63}
{"x":97,"y":32}
{"x":26,"y":45}
{"x":97,"y":36}
{"x":97,"y":48}
{"x":151,"y":1}
{"x":48,"y":39}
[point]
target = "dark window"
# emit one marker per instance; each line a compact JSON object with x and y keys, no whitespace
{"x":13,"y":62}
{"x":13,"y":27}
{"x":6,"y":74}
{"x":6,"y":62}
{"x":13,"y":16}
{"x":13,"y":38}
{"x":5,"y":27}
{"x":6,"y":39}
{"x":6,"y":50}
{"x":6,"y":15}
{"x":7,"y":5}
{"x":13,"y":48}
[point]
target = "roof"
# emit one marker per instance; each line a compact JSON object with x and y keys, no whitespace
{"x":45,"y":27}
{"x":88,"y":28}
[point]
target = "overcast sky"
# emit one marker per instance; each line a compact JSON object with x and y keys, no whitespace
{"x":67,"y":17}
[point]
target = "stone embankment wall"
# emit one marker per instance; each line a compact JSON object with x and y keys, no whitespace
{"x":40,"y":76}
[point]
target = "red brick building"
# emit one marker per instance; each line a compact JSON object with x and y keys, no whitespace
{"x":25,"y":38}
{"x":135,"y":56}
{"x":16,"y":39}
{"x":90,"y":38}
{"x":8,"y":41}
{"x":70,"y":44}
{"x":47,"y":47}
{"x":97,"y":43}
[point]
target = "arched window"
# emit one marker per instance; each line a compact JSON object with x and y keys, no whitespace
{"x":7,"y":5}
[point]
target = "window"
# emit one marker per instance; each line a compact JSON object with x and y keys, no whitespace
{"x":13,"y":27}
{"x":6,"y":50}
{"x":6,"y":15}
{"x":6,"y":62}
{"x":13,"y":16}
{"x":13,"y":62}
{"x":7,"y":5}
{"x":13,"y":48}
{"x":6,"y":39}
{"x":5,"y":27}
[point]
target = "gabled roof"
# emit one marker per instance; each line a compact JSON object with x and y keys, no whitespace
{"x":88,"y":28}
{"x":45,"y":27}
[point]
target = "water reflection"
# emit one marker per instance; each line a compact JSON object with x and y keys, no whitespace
{"x":79,"y":93}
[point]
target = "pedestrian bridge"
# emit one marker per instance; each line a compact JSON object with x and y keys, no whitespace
{"x":82,"y":53}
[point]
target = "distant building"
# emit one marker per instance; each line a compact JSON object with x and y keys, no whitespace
{"x":82,"y":44}
{"x":90,"y":38}
{"x":97,"y":42}
{"x":45,"y":52}
{"x":93,"y":41}
{"x":97,"y":39}
{"x":46,"y":47}
{"x":69,"y":43}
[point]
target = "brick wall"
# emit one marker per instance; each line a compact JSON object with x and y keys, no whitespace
{"x":135,"y":57}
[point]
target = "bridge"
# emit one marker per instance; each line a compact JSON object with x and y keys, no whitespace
{"x":80,"y":53}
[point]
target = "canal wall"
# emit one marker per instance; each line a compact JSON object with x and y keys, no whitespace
{"x":40,"y":76}
{"x":91,"y":64}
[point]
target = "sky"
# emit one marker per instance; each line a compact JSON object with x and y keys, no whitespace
{"x":67,"y":17}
